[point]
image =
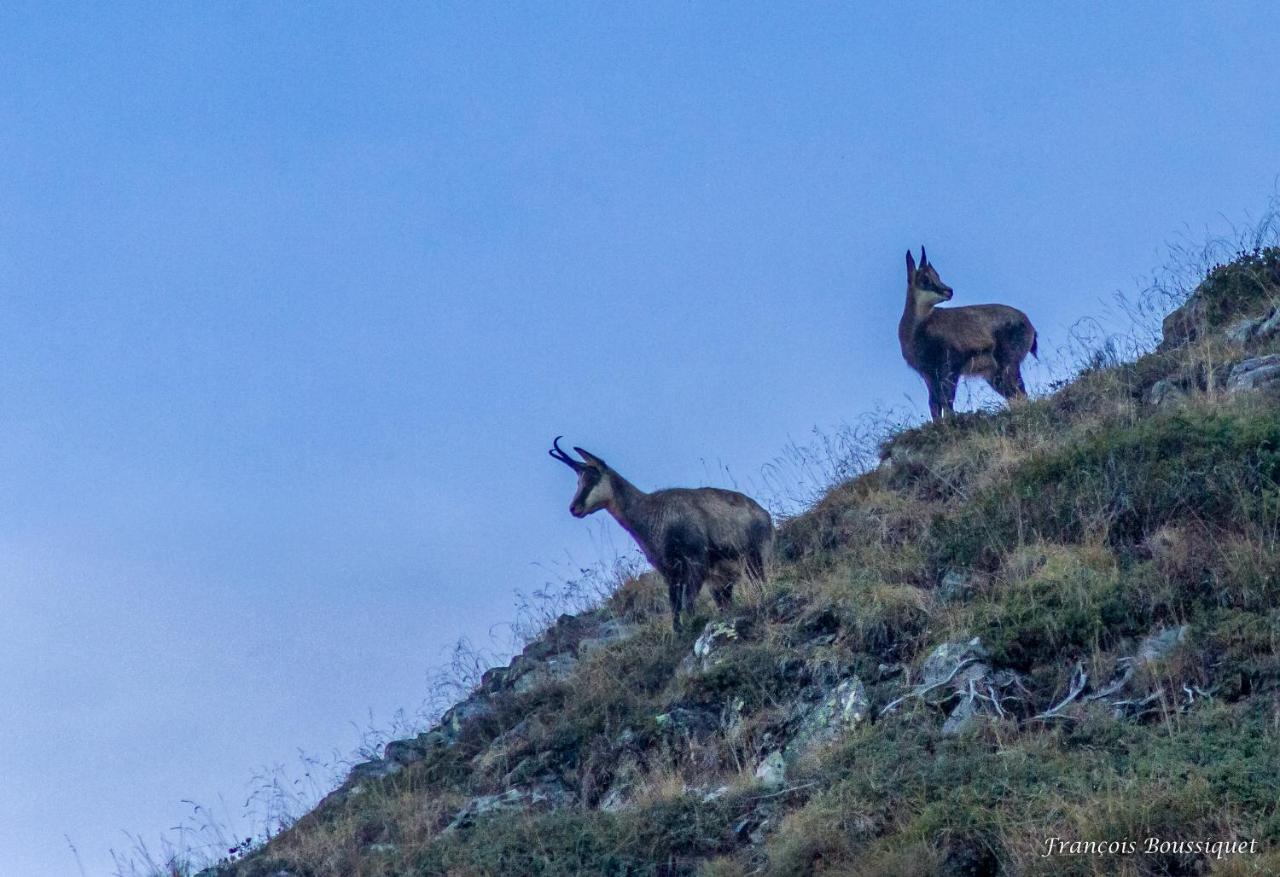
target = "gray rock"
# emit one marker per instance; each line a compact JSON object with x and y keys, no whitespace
{"x":845,"y":707}
{"x":708,"y":648}
{"x":622,"y":786}
{"x":1255,"y":373}
{"x":715,"y":794}
{"x":1162,"y":644}
{"x":548,"y":794}
{"x":554,"y":668}
{"x":1164,"y":392}
{"x":1269,"y":326}
{"x":964,"y":718}
{"x":414,"y":749}
{"x":616,"y":800}
{"x":1242,"y":331}
{"x":455,"y":720}
{"x":961,"y":670}
{"x":955,"y":585}
{"x":376,"y":769}
{"x":944,"y":660}
{"x":682,"y":722}
{"x":772,"y":770}
{"x":608,"y":633}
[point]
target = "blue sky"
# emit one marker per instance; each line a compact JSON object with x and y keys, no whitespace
{"x":294,"y":298}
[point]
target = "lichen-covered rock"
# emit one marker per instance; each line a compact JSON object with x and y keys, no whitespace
{"x":771,"y":772}
{"x":549,"y":793}
{"x":621,"y":789}
{"x":709,"y":647}
{"x":845,"y":707}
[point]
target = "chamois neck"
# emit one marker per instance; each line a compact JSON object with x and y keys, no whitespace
{"x":626,"y":502}
{"x":912,"y":315}
{"x":917,"y":308}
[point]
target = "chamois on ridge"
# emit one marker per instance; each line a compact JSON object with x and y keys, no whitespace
{"x":942,"y":344}
{"x":690,"y":535}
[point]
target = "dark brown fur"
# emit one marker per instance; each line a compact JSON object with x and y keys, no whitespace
{"x":690,"y":535}
{"x":943,"y":344}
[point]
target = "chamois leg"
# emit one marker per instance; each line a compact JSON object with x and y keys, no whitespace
{"x":755,"y":566}
{"x":720,"y":580}
{"x":675,"y":595}
{"x":942,"y":396}
{"x":684,"y":581}
{"x":1008,"y":382}
{"x":935,"y":402}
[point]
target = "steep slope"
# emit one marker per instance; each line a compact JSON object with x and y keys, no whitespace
{"x":1056,"y":621}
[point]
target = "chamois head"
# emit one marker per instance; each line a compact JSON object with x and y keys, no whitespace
{"x":595,"y":487}
{"x":923,"y":282}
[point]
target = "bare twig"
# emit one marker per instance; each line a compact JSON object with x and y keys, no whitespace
{"x":1118,"y":684}
{"x":1079,"y":679}
{"x":921,"y":691}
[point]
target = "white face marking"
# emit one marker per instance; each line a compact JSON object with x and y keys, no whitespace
{"x":599,"y":495}
{"x":925,"y":299}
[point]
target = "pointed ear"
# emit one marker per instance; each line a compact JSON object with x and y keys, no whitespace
{"x":924,"y":260}
{"x":591,"y":458}
{"x":911,"y":268}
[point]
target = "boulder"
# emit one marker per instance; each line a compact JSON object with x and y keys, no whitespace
{"x":964,"y":718}
{"x":1269,"y":325}
{"x":956,"y":663}
{"x":1254,"y":374}
{"x":1164,"y":392}
{"x":549,"y":793}
{"x":685,"y":723}
{"x":1242,"y":331}
{"x":406,"y":752}
{"x":622,"y":786}
{"x":553,"y":668}
{"x":709,"y":647}
{"x":771,"y":772}
{"x":376,"y":769}
{"x":955,"y":585}
{"x":845,"y":707}
{"x":609,"y":632}
{"x":959,"y":671}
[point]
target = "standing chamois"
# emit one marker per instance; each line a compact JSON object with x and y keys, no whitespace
{"x":986,"y":341}
{"x":690,"y":535}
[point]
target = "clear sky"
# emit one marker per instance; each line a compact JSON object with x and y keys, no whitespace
{"x":294,"y":297}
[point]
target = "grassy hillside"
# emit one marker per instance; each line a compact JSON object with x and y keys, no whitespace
{"x":1060,"y":620}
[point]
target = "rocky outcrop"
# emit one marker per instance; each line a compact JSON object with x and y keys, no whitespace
{"x":1254,"y":374}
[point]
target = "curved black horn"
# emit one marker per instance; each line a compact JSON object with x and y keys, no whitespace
{"x":557,"y":453}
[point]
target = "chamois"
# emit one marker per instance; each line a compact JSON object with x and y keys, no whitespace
{"x":690,"y":535}
{"x":942,"y":344}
